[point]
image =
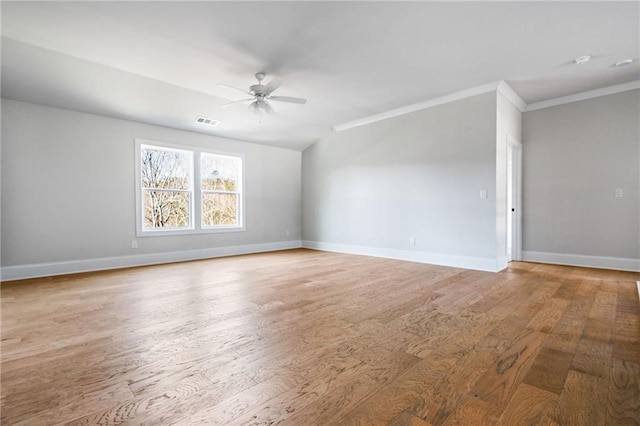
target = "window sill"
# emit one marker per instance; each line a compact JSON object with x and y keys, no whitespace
{"x":202,"y":231}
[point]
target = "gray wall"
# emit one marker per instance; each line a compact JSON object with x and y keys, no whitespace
{"x":68,"y":188}
{"x":68,"y":191}
{"x":414,"y":175}
{"x":575,"y":155}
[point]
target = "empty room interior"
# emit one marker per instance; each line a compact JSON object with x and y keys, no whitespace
{"x":320,"y":213}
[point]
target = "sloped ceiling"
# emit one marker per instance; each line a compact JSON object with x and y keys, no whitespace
{"x":159,"y":62}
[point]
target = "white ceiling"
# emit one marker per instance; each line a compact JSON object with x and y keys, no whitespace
{"x":159,"y":62}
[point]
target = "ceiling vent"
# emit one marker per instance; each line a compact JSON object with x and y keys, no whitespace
{"x":582,"y":60}
{"x":623,"y":63}
{"x":207,"y":121}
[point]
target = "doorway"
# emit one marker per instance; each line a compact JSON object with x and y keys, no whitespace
{"x":514,"y":199}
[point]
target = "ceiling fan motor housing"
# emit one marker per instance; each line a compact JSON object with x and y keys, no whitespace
{"x":257,"y":89}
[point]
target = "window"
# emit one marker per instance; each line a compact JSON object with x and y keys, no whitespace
{"x":184,"y":191}
{"x":220,"y":186}
{"x":167,"y":187}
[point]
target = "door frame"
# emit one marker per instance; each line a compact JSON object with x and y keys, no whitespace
{"x":514,"y":147}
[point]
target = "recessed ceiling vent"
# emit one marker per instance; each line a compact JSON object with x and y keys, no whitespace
{"x":623,"y":63}
{"x":207,"y":121}
{"x":582,"y":60}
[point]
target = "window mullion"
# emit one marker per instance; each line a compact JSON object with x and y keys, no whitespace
{"x":197,"y":195}
{"x":145,"y":188}
{"x":213,"y":191}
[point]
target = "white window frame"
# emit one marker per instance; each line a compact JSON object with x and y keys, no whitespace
{"x":239,"y":191}
{"x":195,"y":214}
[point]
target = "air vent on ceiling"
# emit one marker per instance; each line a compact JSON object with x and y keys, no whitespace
{"x":207,"y":121}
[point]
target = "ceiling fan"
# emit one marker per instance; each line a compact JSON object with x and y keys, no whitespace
{"x":261,"y":94}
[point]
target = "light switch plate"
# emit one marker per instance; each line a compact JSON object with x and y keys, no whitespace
{"x":619,"y":193}
{"x":483,"y":194}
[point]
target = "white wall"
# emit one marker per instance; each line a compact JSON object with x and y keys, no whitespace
{"x":508,"y":124}
{"x":575,"y":156}
{"x":370,"y":188}
{"x":68,"y":194}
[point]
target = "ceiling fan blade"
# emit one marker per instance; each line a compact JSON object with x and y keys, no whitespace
{"x":271,"y":86}
{"x":288,"y":99}
{"x":234,"y":88}
{"x":235,"y":102}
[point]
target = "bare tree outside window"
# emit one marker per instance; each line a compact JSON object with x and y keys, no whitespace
{"x":187,"y":191}
{"x":220,"y":185}
{"x":166,"y":185}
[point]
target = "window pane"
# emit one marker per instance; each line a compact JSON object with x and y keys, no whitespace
{"x":220,"y":173}
{"x":164,"y":168}
{"x":166,"y":209}
{"x":219,"y":209}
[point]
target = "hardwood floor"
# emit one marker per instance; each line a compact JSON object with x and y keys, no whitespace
{"x":303,"y":337}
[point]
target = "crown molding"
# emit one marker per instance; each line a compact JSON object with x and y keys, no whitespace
{"x":419,"y":106}
{"x":500,"y":86}
{"x":584,"y":96}
{"x":511,"y":96}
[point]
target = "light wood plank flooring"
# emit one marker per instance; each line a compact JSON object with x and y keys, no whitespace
{"x":304,"y":337}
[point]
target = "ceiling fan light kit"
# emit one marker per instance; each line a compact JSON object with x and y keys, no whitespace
{"x":261,"y":95}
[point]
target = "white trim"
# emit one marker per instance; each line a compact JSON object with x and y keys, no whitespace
{"x":9,"y":273}
{"x":638,"y":290}
{"x":516,"y":246}
{"x":195,"y":191}
{"x":584,"y":96}
{"x":617,"y":263}
{"x":511,"y":96}
{"x":477,"y":263}
{"x":161,"y":146}
{"x":501,"y":263}
{"x":419,"y":106}
{"x":500,"y":86}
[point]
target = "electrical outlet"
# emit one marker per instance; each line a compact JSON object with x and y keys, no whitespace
{"x":134,"y":244}
{"x":619,"y":193}
{"x":483,"y":194}
{"x":287,"y":233}
{"x":412,"y":240}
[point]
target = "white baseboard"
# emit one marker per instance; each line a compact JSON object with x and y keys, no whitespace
{"x":617,"y":263}
{"x":477,"y":263}
{"x":10,"y":273}
{"x":502,"y":263}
